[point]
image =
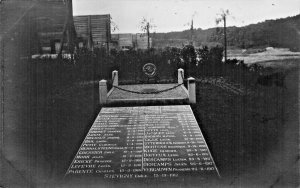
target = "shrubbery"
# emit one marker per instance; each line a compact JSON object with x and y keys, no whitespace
{"x":95,"y":65}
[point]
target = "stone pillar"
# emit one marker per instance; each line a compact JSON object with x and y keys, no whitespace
{"x":192,"y":90}
{"x":180,"y":76}
{"x":103,"y":92}
{"x":115,"y":78}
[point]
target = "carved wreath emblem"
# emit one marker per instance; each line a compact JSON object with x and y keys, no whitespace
{"x":149,"y":69}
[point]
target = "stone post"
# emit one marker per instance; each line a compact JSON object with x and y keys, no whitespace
{"x":180,"y":76}
{"x":115,"y":78}
{"x":192,"y":90}
{"x":103,"y":91}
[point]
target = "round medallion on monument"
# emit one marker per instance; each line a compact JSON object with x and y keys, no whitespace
{"x":149,"y":69}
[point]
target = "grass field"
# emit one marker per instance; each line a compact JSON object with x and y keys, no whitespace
{"x":252,"y":138}
{"x":273,"y":57}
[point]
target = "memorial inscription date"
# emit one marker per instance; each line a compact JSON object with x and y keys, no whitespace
{"x":144,"y":142}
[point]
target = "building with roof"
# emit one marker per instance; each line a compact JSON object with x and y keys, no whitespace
{"x":93,"y":30}
{"x":51,"y":23}
{"x":128,"y":40}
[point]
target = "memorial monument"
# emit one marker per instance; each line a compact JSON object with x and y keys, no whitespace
{"x":153,"y":144}
{"x":148,"y":142}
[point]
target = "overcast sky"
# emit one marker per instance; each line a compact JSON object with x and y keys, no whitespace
{"x":174,"y":15}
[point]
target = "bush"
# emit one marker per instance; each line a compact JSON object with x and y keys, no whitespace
{"x":98,"y":64}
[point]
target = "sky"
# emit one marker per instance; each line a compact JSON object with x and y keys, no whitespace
{"x":176,"y":15}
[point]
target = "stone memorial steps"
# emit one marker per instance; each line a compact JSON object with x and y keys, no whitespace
{"x":178,"y":95}
{"x":147,"y":94}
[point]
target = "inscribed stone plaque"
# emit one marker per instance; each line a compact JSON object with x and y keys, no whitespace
{"x":152,"y":142}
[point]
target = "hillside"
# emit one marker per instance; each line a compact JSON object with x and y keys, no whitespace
{"x":282,"y":33}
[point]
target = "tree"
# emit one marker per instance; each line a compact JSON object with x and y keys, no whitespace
{"x":189,"y":59}
{"x":222,"y":17}
{"x":191,"y":25}
{"x":145,"y":26}
{"x":113,"y":25}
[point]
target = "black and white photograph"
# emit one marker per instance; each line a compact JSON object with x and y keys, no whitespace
{"x":149,"y":93}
